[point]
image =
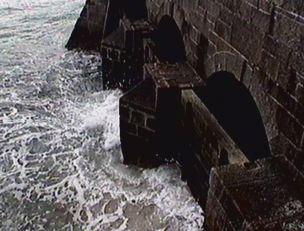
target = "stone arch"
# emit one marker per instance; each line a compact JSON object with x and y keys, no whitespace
{"x":156,"y":15}
{"x":169,"y":42}
{"x":225,"y":61}
{"x":235,"y":109}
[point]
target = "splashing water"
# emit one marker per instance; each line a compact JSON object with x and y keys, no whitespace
{"x":60,"y":160}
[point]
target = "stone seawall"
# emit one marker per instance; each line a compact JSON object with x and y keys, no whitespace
{"x":216,"y":86}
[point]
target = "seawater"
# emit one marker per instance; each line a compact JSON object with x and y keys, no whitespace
{"x":60,"y":159}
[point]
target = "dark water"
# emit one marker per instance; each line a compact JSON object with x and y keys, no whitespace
{"x":60,"y":159}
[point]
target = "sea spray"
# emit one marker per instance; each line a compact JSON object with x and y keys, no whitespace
{"x":60,"y":159}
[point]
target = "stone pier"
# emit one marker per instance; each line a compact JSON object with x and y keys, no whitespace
{"x":217,"y":86}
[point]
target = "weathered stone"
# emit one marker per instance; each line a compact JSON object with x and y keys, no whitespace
{"x":181,"y":76}
{"x":138,"y":140}
{"x":88,"y":30}
{"x":122,"y":50}
{"x":300,"y":93}
{"x":260,"y":43}
{"x":223,"y":30}
{"x":264,"y":196}
{"x":201,"y":121}
{"x":281,"y":145}
{"x":288,"y":29}
{"x":138,"y":118}
{"x":247,"y":39}
{"x":277,"y":49}
{"x":260,"y":86}
{"x":289,"y":126}
{"x":270,"y":64}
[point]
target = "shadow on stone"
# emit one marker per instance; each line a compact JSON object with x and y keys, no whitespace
{"x":169,"y":41}
{"x":234,"y":107}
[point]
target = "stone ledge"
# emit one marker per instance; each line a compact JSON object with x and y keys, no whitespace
{"x":265,"y":195}
{"x":180,"y":75}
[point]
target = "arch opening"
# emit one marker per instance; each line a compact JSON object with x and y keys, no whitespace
{"x":235,"y":109}
{"x":169,"y":41}
{"x":135,"y":9}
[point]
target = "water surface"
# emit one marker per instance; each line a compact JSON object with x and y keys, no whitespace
{"x":60,"y":160}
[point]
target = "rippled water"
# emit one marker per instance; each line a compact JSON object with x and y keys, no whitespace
{"x":60,"y":160}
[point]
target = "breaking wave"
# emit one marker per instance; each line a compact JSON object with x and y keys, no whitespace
{"x":60,"y":159}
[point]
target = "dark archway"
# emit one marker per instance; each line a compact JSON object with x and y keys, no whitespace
{"x":234,"y":107}
{"x":130,"y":9}
{"x":169,"y":41}
{"x":135,"y":9}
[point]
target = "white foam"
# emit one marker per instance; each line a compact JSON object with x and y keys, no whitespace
{"x":60,"y":157}
{"x":104,"y":115}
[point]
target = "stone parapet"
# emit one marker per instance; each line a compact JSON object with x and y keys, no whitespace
{"x":264,"y":195}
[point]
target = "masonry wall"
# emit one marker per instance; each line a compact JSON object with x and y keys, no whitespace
{"x":261,"y":43}
{"x":88,"y":31}
{"x":209,"y":145}
{"x":262,"y":195}
{"x":138,"y":126}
